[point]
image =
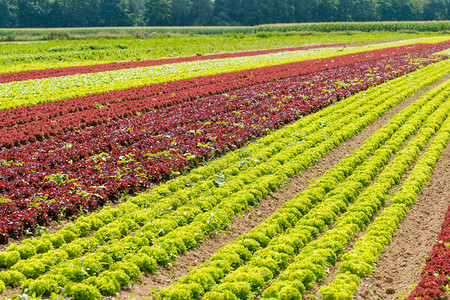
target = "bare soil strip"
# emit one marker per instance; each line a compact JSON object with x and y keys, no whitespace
{"x":266,"y":208}
{"x":333,"y":272}
{"x":399,"y":267}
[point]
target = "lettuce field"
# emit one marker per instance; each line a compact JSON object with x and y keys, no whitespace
{"x":314,"y":171}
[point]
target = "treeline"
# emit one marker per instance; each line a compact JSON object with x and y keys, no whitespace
{"x":98,"y":13}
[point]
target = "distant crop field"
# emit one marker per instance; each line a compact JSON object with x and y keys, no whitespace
{"x":430,"y":26}
{"x":231,"y":166}
{"x":142,"y":32}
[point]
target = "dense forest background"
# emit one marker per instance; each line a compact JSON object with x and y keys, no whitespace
{"x":94,"y":13}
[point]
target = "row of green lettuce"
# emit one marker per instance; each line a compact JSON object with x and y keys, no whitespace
{"x":17,"y":93}
{"x":359,"y":262}
{"x":29,"y":92}
{"x":97,"y":253}
{"x":242,"y":268}
{"x":20,"y":93}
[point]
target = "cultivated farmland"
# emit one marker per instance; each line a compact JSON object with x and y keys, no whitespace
{"x":314,"y":171}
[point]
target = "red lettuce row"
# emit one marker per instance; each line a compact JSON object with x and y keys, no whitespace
{"x":83,"y":169}
{"x":27,"y":124}
{"x":436,"y":274}
{"x":59,"y":72}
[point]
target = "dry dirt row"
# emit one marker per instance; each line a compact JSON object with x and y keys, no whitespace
{"x":396,"y":270}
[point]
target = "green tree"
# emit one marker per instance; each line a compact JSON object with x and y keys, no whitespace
{"x":265,"y":11}
{"x":202,"y":12}
{"x":234,"y":11}
{"x":288,"y":15}
{"x":307,"y":11}
{"x":436,"y":10}
{"x":328,"y":10}
{"x":26,"y":15}
{"x":447,"y":6}
{"x":345,"y":10}
{"x":181,"y":10}
{"x":416,"y":9}
{"x":56,"y":14}
{"x":135,"y":11}
{"x":113,"y":13}
{"x":33,"y":13}
{"x":365,"y":11}
{"x":250,"y":15}
{"x":220,"y":16}
{"x":5,"y":15}
{"x":276,"y":11}
{"x":403,"y":10}
{"x":158,"y":12}
{"x":83,"y":13}
{"x":386,"y":10}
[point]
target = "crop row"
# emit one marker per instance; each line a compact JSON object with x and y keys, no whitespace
{"x":357,"y":26}
{"x":206,"y":178}
{"x":11,"y":75}
{"x":435,"y":276}
{"x":58,"y":72}
{"x":19,"y":93}
{"x":21,"y":125}
{"x":84,"y":169}
{"x":13,"y":94}
{"x":59,"y":54}
{"x":262,"y":253}
{"x":239,"y":157}
{"x":151,"y":93}
{"x":359,"y":262}
{"x":175,"y":217}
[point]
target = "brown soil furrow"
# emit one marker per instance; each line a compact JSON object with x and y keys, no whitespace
{"x":312,"y":294}
{"x":248,"y":220}
{"x":399,"y":267}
